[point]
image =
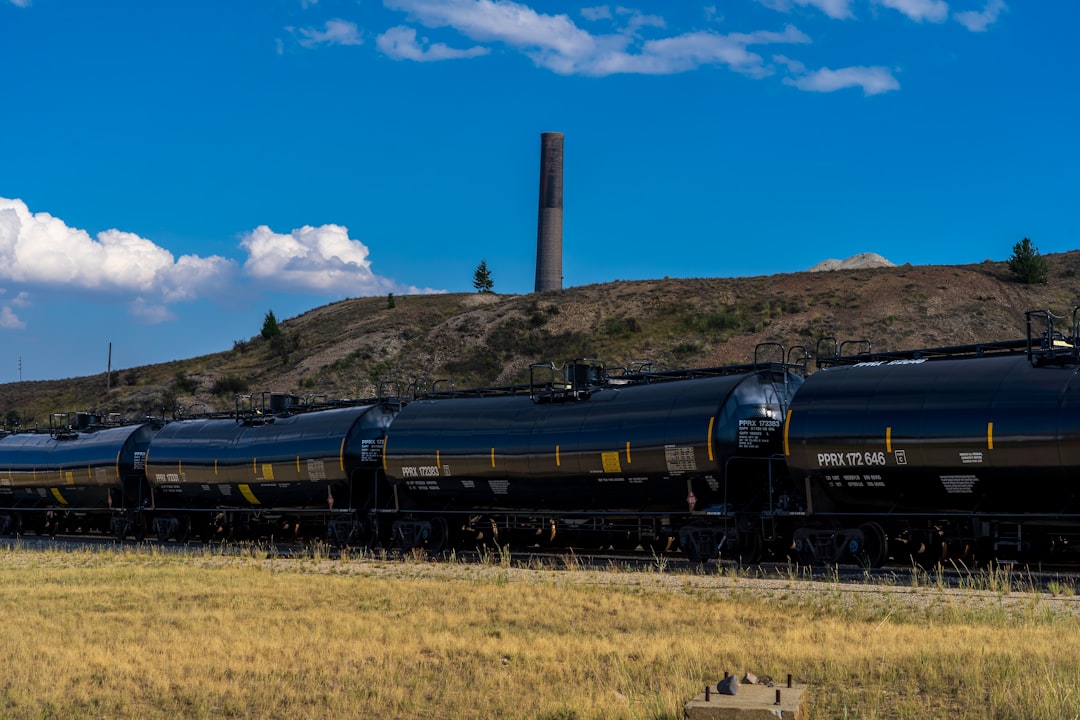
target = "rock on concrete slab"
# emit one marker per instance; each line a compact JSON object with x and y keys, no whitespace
{"x":754,"y":702}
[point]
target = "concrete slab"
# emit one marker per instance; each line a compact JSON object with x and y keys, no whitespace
{"x":752,"y":702}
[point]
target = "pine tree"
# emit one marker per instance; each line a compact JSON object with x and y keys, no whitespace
{"x":482,"y":278}
{"x":1028,"y":265}
{"x":270,"y":327}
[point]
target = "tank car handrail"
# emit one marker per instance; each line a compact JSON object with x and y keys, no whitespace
{"x":1052,"y":346}
{"x":822,"y":359}
{"x":802,"y":362}
{"x":448,"y":381}
{"x":869,"y":348}
{"x":974,"y":350}
{"x":760,"y":347}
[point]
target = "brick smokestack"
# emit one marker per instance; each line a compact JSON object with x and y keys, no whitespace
{"x":549,"y":220}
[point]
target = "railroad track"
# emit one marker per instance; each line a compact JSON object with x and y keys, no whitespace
{"x":1003,"y":576}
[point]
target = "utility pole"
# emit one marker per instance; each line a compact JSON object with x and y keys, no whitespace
{"x":108,"y":370}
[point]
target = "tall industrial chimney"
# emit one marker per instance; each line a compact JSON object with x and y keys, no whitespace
{"x":549,"y":220}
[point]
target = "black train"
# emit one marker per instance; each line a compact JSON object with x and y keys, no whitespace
{"x":72,"y":476}
{"x":968,"y":452}
{"x":268,"y":471}
{"x":645,"y":458}
{"x":277,"y":467}
{"x":964,"y":452}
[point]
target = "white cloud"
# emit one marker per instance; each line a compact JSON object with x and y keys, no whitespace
{"x":21,"y":3}
{"x":500,"y":21}
{"x":316,"y":259}
{"x":39,"y":249}
{"x":9,"y":320}
{"x":600,"y":12}
{"x":400,"y":43}
{"x":556,"y":43}
{"x":836,"y":9}
{"x":636,"y":20}
{"x":979,"y":21}
{"x":20,"y":300}
{"x":337,"y":32}
{"x":872,"y":80}
{"x":935,"y":11}
{"x":150,"y":314}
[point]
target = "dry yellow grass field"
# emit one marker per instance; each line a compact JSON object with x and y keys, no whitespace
{"x":138,"y":633}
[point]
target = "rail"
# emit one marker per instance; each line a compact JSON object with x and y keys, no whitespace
{"x":1044,"y":344}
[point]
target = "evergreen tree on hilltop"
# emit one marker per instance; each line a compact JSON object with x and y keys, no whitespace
{"x":270,"y":327}
{"x":482,"y":278}
{"x":1028,"y":265}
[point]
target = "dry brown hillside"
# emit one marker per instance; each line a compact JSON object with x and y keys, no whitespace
{"x":347,"y":348}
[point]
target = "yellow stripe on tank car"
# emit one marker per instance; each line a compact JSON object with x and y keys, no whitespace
{"x":385,"y":445}
{"x":888,"y":439}
{"x":787,"y":427}
{"x":990,"y":436}
{"x":627,"y":452}
{"x":712,"y":420}
{"x":341,"y":454}
{"x":245,"y":490}
{"x":558,"y":460}
{"x":492,"y":457}
{"x":58,"y":496}
{"x":297,"y":466}
{"x":438,"y":462}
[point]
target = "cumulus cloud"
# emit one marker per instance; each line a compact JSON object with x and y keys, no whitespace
{"x":336,"y":32}
{"x":600,"y":12}
{"x":935,"y":11}
{"x":39,"y":249}
{"x":836,"y":9}
{"x":976,"y":21}
{"x":872,"y":80}
{"x":9,"y":320}
{"x":316,"y":259}
{"x":400,"y":43}
{"x":556,"y":43}
{"x":149,"y":313}
{"x":20,"y":300}
{"x":21,"y":3}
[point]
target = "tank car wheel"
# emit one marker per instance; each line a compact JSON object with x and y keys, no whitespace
{"x":183,"y":530}
{"x":52,"y":524}
{"x":929,"y":551}
{"x":750,"y":547}
{"x":875,"y":545}
{"x":436,"y":540}
{"x":13,"y":524}
{"x":802,"y":551}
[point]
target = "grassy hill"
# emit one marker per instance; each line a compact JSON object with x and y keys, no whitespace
{"x":354,"y":348}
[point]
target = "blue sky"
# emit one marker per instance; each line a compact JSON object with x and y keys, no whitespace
{"x":169,"y":171}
